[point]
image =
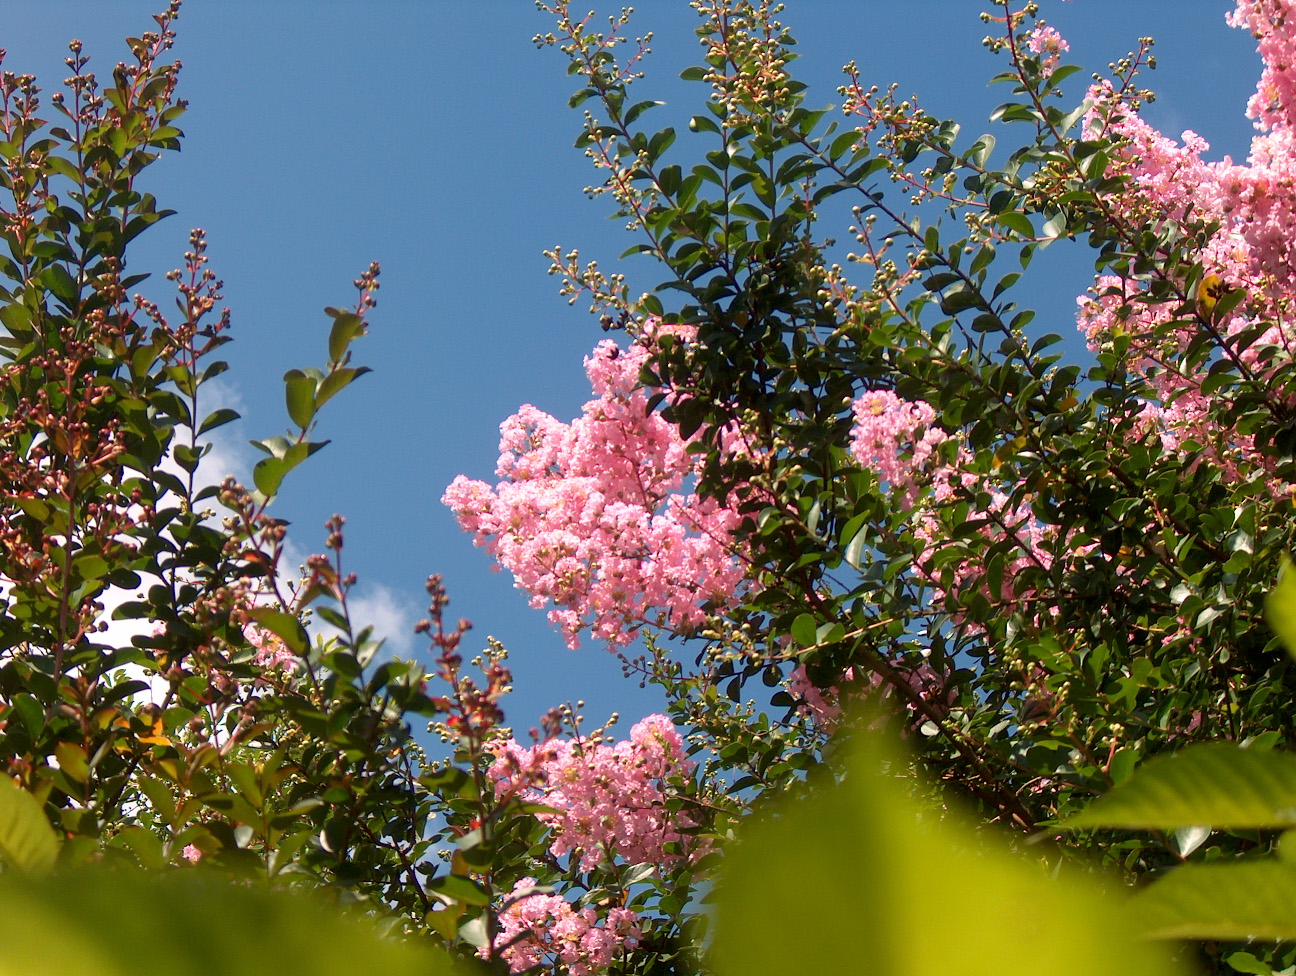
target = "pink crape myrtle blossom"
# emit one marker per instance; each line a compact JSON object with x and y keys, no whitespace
{"x":597,"y":516}
{"x":1273,"y":106}
{"x":883,"y":439}
{"x":540,"y":930}
{"x":1048,"y":42}
{"x":1252,"y":248}
{"x":609,"y":801}
{"x":824,"y":706}
{"x":897,"y":440}
{"x":271,"y":652}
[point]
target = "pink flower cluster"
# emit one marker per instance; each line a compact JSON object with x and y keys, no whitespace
{"x":271,"y":651}
{"x":1049,"y":43}
{"x":597,"y":517}
{"x":1273,"y":106}
{"x":896,"y":439}
{"x":538,"y":930}
{"x":609,"y":801}
{"x":1253,"y":249}
{"x":883,"y":440}
{"x":821,"y":705}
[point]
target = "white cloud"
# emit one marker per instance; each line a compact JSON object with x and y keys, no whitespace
{"x":391,"y":615}
{"x":230,"y":453}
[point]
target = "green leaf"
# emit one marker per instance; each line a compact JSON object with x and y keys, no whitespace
{"x":346,"y":327}
{"x":122,"y":923}
{"x":299,"y":392}
{"x":16,"y":318}
{"x":803,"y":630}
{"x":1055,"y":226}
{"x":1222,"y":900}
{"x":453,"y":888}
{"x":1218,"y":784}
{"x":981,"y":150}
{"x":1014,"y":220}
{"x":217,"y":418}
{"x":146,"y":846}
{"x":849,"y":879}
{"x":60,"y":283}
{"x":28,"y":843}
{"x":34,"y":507}
{"x":72,"y":761}
{"x":1280,"y":607}
{"x":276,"y":446}
{"x":268,"y":474}
{"x":284,"y":626}
{"x":855,"y":548}
{"x":636,"y":110}
{"x":338,"y":380}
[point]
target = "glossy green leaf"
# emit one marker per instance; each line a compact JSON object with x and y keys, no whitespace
{"x":346,"y":327}
{"x":336,"y":381}
{"x":1016,"y":221}
{"x":60,"y":283}
{"x":276,"y":446}
{"x":218,"y":418}
{"x":803,"y":629}
{"x":855,"y":548}
{"x":454,"y":888}
{"x":268,"y":474}
{"x":1219,"y":784}
{"x":299,"y":393}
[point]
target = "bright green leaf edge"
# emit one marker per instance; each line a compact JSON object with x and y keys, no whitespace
{"x":1216,"y":784}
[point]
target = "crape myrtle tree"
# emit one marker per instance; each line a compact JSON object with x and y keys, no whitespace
{"x":1053,"y":569}
{"x":850,"y":483}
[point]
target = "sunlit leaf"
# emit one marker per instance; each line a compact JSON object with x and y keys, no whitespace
{"x":1218,"y":784}
{"x":1280,"y":607}
{"x":299,"y":394}
{"x":27,"y":841}
{"x":284,"y":626}
{"x":849,"y":880}
{"x":1222,"y":900}
{"x":346,"y":327}
{"x":122,"y":923}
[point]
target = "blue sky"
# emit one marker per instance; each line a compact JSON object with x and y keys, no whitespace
{"x":432,"y":136}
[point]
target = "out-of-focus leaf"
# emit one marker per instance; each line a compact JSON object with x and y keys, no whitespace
{"x":1217,"y":784}
{"x":1280,"y":607}
{"x":1222,"y":900}
{"x":122,"y":923}
{"x":853,"y":881}
{"x":27,"y":841}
